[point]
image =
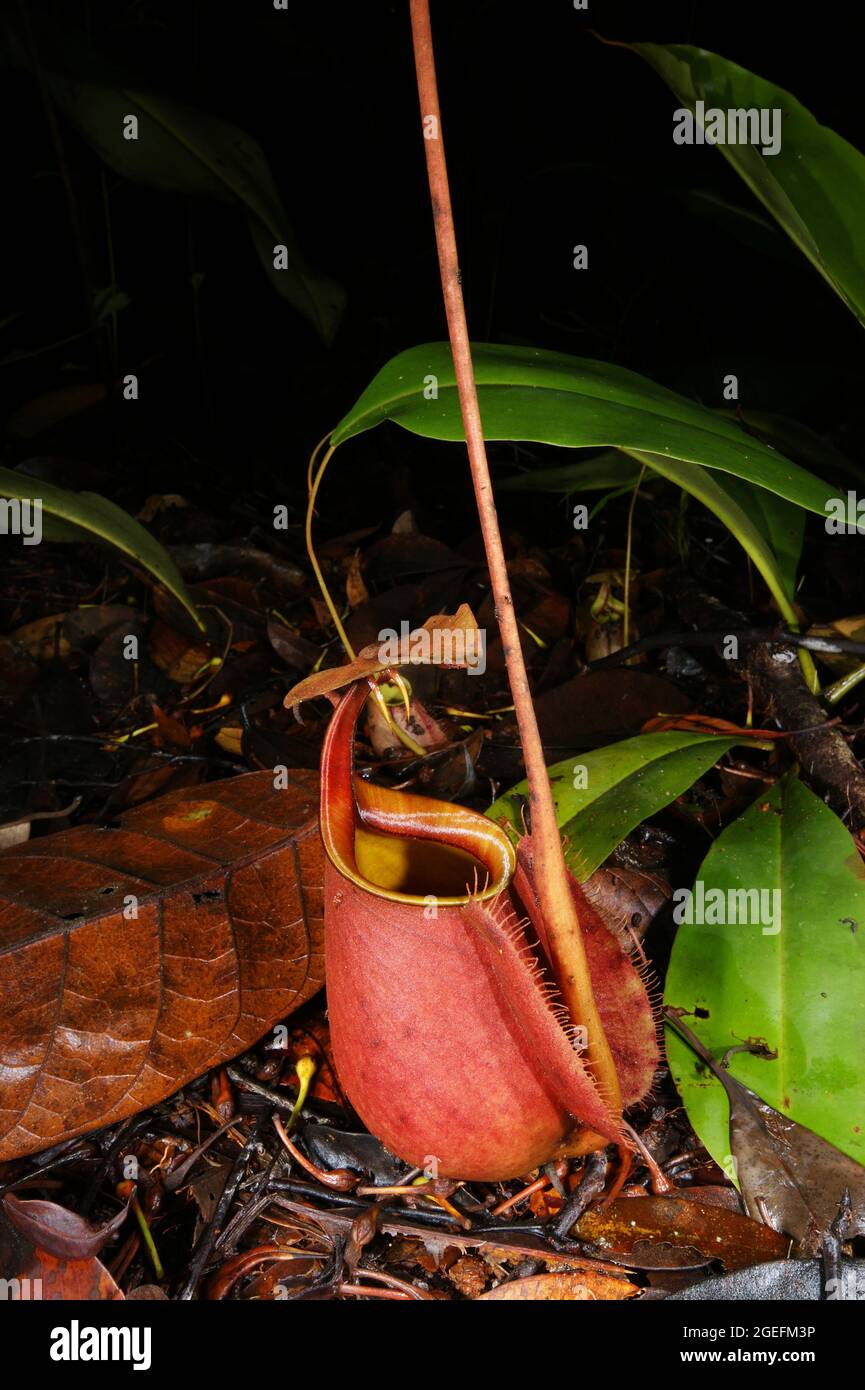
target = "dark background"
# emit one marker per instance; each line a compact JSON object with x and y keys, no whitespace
{"x":553,"y":139}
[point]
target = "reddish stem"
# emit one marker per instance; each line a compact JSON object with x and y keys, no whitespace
{"x":556,"y":901}
{"x":342,"y":1179}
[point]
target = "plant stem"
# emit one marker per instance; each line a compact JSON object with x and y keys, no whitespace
{"x":626,"y":620}
{"x":315,"y":473}
{"x":553,"y":887}
{"x":843,"y":686}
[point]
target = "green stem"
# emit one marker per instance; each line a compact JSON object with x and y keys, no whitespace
{"x":843,"y":686}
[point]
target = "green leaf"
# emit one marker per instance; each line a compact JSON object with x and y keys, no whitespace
{"x":183,"y":150}
{"x":547,"y":397}
{"x":780,"y":523}
{"x":814,"y":186}
{"x":320,"y":299}
{"x":750,"y":529}
{"x":609,"y":469}
{"x":800,"y":988}
{"x":551,"y":398}
{"x":618,"y":787}
{"x":746,"y":224}
{"x":87,"y":517}
{"x":178,"y":149}
{"x":798,"y":442}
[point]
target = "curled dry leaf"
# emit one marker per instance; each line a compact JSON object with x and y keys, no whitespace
{"x":627,"y":899}
{"x":460,"y":642}
{"x":789,"y":1176}
{"x":206,"y":560}
{"x":60,"y":1232}
{"x":133,"y":959}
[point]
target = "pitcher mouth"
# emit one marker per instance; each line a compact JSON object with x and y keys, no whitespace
{"x":399,"y":846}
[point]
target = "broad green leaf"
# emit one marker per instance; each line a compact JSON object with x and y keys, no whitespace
{"x":779,"y":522}
{"x":795,"y":977}
{"x":85,"y":516}
{"x":178,"y":149}
{"x":551,"y":398}
{"x":814,"y":186}
{"x":603,"y":795}
{"x":611,"y":469}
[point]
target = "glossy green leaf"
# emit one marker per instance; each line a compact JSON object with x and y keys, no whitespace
{"x":601,"y":796}
{"x":814,"y":186}
{"x":85,"y":516}
{"x":794,"y":976}
{"x":551,"y":398}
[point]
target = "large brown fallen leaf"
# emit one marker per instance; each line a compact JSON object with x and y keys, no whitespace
{"x":626,"y":1224}
{"x":133,"y":959}
{"x":51,"y":1277}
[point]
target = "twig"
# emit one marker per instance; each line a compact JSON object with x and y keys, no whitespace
{"x":590,"y":1186}
{"x":771,"y":669}
{"x":256,"y":1088}
{"x":202,"y":1251}
{"x":749,"y":636}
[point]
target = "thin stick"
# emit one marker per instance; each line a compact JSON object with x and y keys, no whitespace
{"x":553,"y":889}
{"x":315,"y":474}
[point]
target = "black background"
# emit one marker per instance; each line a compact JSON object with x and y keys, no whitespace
{"x":553,"y":139}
